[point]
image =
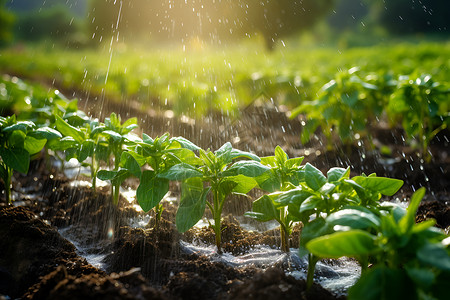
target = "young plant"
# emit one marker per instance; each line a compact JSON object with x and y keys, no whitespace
{"x":344,"y":105}
{"x":222,"y":174}
{"x":159,"y":154}
{"x":409,"y":260}
{"x":319,"y":196}
{"x":283,"y":175}
{"x":422,"y":105}
{"x":82,"y":143}
{"x":118,"y":136}
{"x":19,"y":141}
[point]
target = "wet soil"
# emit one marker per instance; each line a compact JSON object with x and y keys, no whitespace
{"x":36,"y":262}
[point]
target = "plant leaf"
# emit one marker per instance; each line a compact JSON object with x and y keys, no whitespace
{"x":151,"y":190}
{"x":68,"y":130}
{"x":383,"y":283}
{"x":180,"y":172}
{"x":354,"y":219}
{"x":335,"y":174}
{"x":407,"y":222}
{"x":264,"y":210}
{"x":17,"y":159}
{"x":33,"y":145}
{"x":192,"y":203}
{"x":249,"y":168}
{"x":313,"y":177}
{"x":353,"y":243}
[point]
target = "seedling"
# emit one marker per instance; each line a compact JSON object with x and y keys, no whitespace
{"x":222,"y":174}
{"x":422,"y":105}
{"x":19,"y":141}
{"x":319,"y":196}
{"x":409,"y":260}
{"x":283,"y":175}
{"x":344,"y":105}
{"x":159,"y":154}
{"x":117,"y":136}
{"x":82,"y":143}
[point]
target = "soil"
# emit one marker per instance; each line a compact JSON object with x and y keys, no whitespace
{"x":36,"y":262}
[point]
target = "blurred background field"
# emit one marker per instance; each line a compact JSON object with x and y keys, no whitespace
{"x":202,"y":57}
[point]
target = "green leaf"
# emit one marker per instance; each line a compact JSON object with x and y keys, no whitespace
{"x":223,"y":154}
{"x":335,"y":174}
{"x":310,"y":203}
{"x":434,"y":255}
{"x":147,"y":139}
{"x":316,"y":228}
{"x":128,"y":162}
{"x":423,"y":278}
{"x":235,"y":153}
{"x":296,"y":196}
{"x":86,"y":150}
{"x":17,"y":159}
{"x":106,"y":174}
{"x":33,"y":145}
{"x":280,"y":156}
{"x":383,"y":283}
{"x":313,"y":177}
{"x":249,"y":168}
{"x":294,"y":163}
{"x":45,"y":133}
{"x":383,"y":185}
{"x":120,"y":177}
{"x":264,"y":210}
{"x":63,"y":144}
{"x":16,"y":139}
{"x":116,"y":137}
{"x":68,"y":130}
{"x":269,"y":181}
{"x":151,"y":190}
{"x":354,"y":219}
{"x":186,"y":156}
{"x":241,"y":183}
{"x":20,"y":126}
{"x":268,"y":161}
{"x":353,"y":243}
{"x":192,"y":203}
{"x":180,"y":172}
{"x":407,"y":222}
{"x":185,"y":143}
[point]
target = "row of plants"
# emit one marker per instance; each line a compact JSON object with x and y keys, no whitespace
{"x":352,"y":100}
{"x":350,"y":105}
{"x":341,"y":215}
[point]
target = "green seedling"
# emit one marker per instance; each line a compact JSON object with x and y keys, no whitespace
{"x":19,"y":141}
{"x":422,"y":105}
{"x":127,"y":167}
{"x":118,"y":136}
{"x":160,"y":154}
{"x":222,"y":174}
{"x":344,"y":105}
{"x":83,"y":143}
{"x":283,"y":175}
{"x":408,"y":259}
{"x":319,"y":196}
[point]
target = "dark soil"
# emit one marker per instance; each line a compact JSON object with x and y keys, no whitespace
{"x":36,"y":262}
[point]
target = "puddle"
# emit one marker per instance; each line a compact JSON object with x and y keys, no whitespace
{"x":90,"y":252}
{"x":337,"y":277}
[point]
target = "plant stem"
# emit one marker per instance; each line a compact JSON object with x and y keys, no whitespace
{"x":115,"y":193}
{"x":9,"y":174}
{"x":312,"y":261}
{"x":284,"y":232}
{"x":217,"y":215}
